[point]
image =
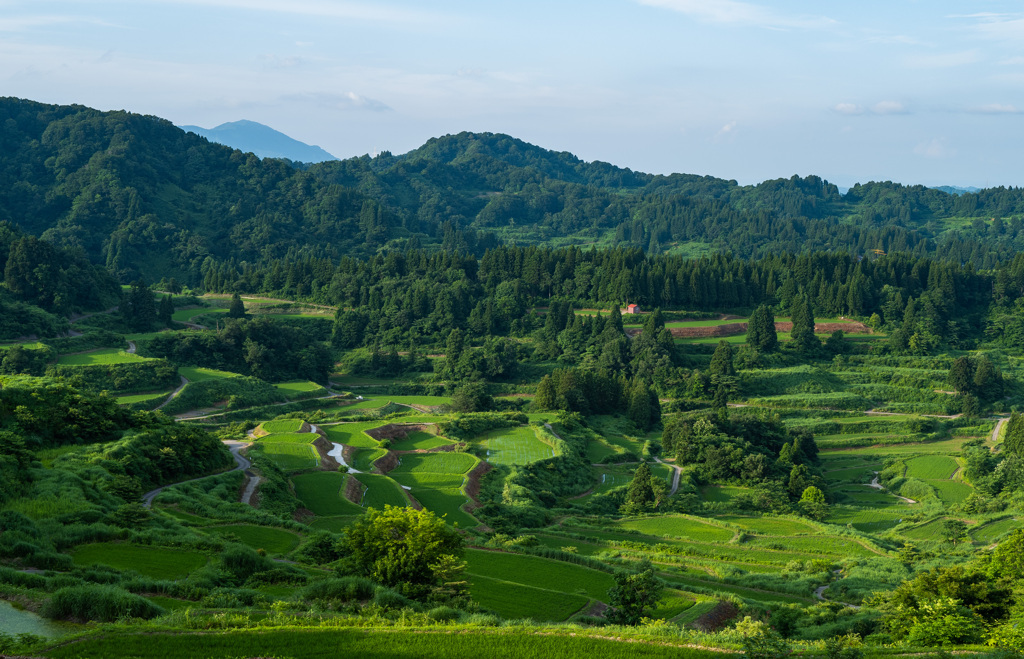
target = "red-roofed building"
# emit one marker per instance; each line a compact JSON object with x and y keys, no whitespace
{"x":633,"y":308}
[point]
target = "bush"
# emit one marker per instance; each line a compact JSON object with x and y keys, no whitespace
{"x":386,"y":598}
{"x":444,"y":614}
{"x":344,"y":589}
{"x":98,"y":603}
{"x":243,"y":562}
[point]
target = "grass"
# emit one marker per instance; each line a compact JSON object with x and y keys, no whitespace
{"x":436,"y":463}
{"x":932,"y":467}
{"x":745,"y":593}
{"x":399,"y":644}
{"x":722,"y":492}
{"x":514,"y":600}
{"x":322,"y":492}
{"x":282,"y":426}
{"x":274,"y":541}
{"x":101,"y":356}
{"x":381,"y":491}
{"x":539,"y":573}
{"x":951,"y":492}
{"x":932,"y":530}
{"x":365,"y":457}
{"x":447,"y":503}
{"x":156,"y":562}
{"x":291,"y":457}
{"x":674,"y":526}
{"x":186,"y":315}
{"x":869,"y":521}
{"x":673,"y":602}
{"x":508,"y":446}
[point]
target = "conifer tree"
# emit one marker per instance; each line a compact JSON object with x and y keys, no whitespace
{"x":802,"y":334}
{"x":640,"y":494}
{"x":237,"y":308}
{"x":545,"y":398}
{"x":761,"y":332}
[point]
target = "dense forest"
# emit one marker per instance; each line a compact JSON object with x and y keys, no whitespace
{"x":148,"y":200}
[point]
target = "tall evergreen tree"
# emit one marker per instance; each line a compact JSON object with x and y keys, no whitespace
{"x":237,"y":308}
{"x":802,"y":333}
{"x":721,"y":363}
{"x":640,"y":493}
{"x":761,"y":332}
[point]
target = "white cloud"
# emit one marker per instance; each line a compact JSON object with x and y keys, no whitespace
{"x":889,"y":107}
{"x":995,"y":108}
{"x":345,"y":101}
{"x":848,"y":108}
{"x":739,"y":13}
{"x":726,"y":131}
{"x":992,"y":25}
{"x":934,"y":148}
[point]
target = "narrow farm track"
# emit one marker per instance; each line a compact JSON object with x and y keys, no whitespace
{"x":184,"y":416}
{"x":995,"y":434}
{"x":174,"y":394}
{"x":820,"y":593}
{"x":241,"y":462}
{"x":878,"y":486}
{"x":677,"y":474}
{"x":131,"y":348}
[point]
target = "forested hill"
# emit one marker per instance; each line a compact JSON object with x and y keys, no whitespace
{"x":146,"y":199}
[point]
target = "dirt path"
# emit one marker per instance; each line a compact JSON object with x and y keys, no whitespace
{"x":174,"y":394}
{"x":677,"y":474}
{"x":77,"y":317}
{"x":185,"y":415}
{"x":131,"y":348}
{"x":878,"y":486}
{"x":820,"y":592}
{"x":241,"y":462}
{"x":995,"y":434}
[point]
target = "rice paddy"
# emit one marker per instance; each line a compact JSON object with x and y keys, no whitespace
{"x":510,"y":446}
{"x":156,"y":562}
{"x":101,"y":356}
{"x":322,"y":492}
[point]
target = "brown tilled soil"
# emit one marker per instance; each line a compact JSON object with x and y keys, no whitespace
{"x":303,"y":515}
{"x":400,"y":430}
{"x":716,"y":618}
{"x":473,"y":483}
{"x":327,"y":462}
{"x":732,"y":329}
{"x":353,"y":490}
{"x":597,"y":610}
{"x":387,"y":462}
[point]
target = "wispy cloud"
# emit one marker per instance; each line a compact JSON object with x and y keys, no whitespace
{"x":733,"y":12}
{"x":943,"y":60}
{"x":345,"y":101}
{"x":995,"y":108}
{"x":848,"y":108}
{"x":376,"y":12}
{"x":992,"y":25}
{"x":889,"y":107}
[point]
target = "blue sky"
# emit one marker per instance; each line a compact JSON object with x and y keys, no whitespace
{"x":924,"y":91}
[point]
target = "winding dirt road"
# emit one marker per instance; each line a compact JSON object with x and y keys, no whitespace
{"x":677,"y":474}
{"x":241,"y":462}
{"x":174,"y":394}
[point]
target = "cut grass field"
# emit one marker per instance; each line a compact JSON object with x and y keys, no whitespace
{"x":282,"y":426}
{"x":274,"y":541}
{"x":322,"y":493}
{"x":508,"y":446}
{"x":101,"y":356}
{"x":290,"y":456}
{"x":156,"y":562}
{"x":441,"y":643}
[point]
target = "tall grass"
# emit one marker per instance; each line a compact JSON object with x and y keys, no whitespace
{"x":98,"y":603}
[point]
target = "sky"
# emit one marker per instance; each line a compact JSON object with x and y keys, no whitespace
{"x":914,"y":91}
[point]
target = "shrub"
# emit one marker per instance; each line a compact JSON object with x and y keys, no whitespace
{"x":344,"y":589}
{"x":386,"y":598}
{"x":444,"y":614}
{"x":99,"y":603}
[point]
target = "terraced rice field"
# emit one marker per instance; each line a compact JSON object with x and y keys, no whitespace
{"x":513,"y":600}
{"x":139,"y":398}
{"x":418,"y":440}
{"x":289,"y":438}
{"x":539,"y":573}
{"x":282,"y":426}
{"x":274,"y":541}
{"x":156,"y":562}
{"x":678,"y":527}
{"x":101,"y":356}
{"x":436,"y":463}
{"x":508,"y":446}
{"x":299,"y":389}
{"x":365,"y":457}
{"x":991,"y":531}
{"x":932,"y":467}
{"x":195,"y":374}
{"x":352,"y":434}
{"x":381,"y":491}
{"x":951,"y":492}
{"x":291,"y":456}
{"x":769,"y":525}
{"x":322,"y":492}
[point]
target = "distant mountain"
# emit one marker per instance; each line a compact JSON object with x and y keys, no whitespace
{"x":956,"y":189}
{"x":262,"y":140}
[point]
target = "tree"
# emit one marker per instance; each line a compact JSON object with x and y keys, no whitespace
{"x":545,"y":398}
{"x":166,"y":312}
{"x":639,"y":494}
{"x":761,"y":641}
{"x":721,"y":363}
{"x":137,"y":307}
{"x":761,"y":333}
{"x":412,"y":551}
{"x":954,"y":530}
{"x":472,"y":397}
{"x":634,"y":593}
{"x":237,"y":308}
{"x":802,"y":334}
{"x":813,"y":503}
{"x":961,"y":375}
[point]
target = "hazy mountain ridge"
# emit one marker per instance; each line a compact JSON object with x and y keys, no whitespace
{"x":262,"y":140}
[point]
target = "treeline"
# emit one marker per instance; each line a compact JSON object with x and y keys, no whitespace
{"x":147,"y":200}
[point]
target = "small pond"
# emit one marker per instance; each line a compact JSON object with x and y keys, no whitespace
{"x":19,"y":621}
